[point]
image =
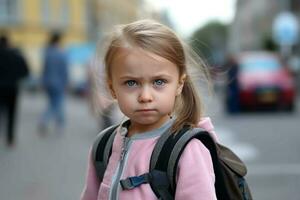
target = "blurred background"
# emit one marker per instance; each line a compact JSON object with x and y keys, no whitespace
{"x":251,"y":47}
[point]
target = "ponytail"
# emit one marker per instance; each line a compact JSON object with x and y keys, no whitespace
{"x":187,"y":106}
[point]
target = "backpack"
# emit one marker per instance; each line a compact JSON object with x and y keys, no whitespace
{"x":229,"y":170}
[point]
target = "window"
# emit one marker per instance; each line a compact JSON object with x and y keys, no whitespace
{"x":260,"y":64}
{"x":65,"y":13}
{"x":46,"y":14}
{"x":55,"y":18}
{"x":9,"y":12}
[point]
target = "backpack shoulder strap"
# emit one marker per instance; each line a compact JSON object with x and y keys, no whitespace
{"x":160,"y":183}
{"x":167,"y":153}
{"x":212,"y":146}
{"x":101,"y":149}
{"x":157,"y":175}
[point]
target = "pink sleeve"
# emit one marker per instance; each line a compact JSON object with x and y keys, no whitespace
{"x":206,"y":124}
{"x":195,"y":175}
{"x":91,"y":188}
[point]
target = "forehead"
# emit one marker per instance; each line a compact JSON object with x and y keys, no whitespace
{"x":137,"y":62}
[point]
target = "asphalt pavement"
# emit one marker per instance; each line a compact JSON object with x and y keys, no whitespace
{"x":50,"y":166}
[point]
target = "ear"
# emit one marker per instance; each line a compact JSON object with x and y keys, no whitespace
{"x":180,"y":84}
{"x":111,"y":89}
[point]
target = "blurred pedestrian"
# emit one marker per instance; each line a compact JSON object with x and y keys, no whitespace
{"x":54,"y":82}
{"x":13,"y":68}
{"x":233,"y":105}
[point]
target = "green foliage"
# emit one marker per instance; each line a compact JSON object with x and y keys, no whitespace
{"x":209,"y":39}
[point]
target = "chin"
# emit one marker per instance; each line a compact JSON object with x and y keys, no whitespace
{"x":149,"y":120}
{"x":146,"y":122}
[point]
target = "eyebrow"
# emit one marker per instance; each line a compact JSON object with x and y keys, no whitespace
{"x":153,"y":77}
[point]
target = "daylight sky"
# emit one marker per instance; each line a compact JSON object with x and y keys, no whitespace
{"x":188,"y":15}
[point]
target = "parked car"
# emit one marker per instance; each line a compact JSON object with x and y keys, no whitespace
{"x":262,"y":81}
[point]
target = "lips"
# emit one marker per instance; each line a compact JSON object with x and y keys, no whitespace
{"x":146,"y":110}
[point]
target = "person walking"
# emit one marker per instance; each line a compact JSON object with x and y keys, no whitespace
{"x":54,"y":82}
{"x":232,"y":90}
{"x":13,"y":68}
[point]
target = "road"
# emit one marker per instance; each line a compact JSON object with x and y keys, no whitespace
{"x":50,"y":167}
{"x":268,"y":143}
{"x":53,"y":166}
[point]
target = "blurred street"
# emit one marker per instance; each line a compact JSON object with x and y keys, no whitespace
{"x":53,"y":166}
{"x":269,"y":145}
{"x":252,"y":51}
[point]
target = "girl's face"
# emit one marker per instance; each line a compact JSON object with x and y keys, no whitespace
{"x":145,"y":86}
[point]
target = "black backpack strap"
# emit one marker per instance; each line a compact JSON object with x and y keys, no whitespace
{"x":177,"y":151}
{"x":166,"y":157}
{"x":101,"y":149}
{"x":210,"y":144}
{"x":156,"y":178}
{"x":160,"y":183}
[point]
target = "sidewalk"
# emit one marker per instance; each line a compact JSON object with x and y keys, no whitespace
{"x":50,"y":167}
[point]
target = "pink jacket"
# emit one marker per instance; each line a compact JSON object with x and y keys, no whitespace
{"x":195,"y":175}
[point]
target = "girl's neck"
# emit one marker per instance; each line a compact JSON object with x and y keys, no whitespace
{"x":136,"y":128}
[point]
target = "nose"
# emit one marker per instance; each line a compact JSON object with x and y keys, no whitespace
{"x":145,"y":95}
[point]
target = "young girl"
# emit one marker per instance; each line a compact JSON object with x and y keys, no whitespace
{"x":146,"y":72}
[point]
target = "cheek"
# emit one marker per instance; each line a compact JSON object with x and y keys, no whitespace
{"x":125,"y":102}
{"x":167,"y":101}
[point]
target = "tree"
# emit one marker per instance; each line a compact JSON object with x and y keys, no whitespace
{"x":209,"y":42}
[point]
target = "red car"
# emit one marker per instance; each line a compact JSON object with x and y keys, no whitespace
{"x":262,"y":83}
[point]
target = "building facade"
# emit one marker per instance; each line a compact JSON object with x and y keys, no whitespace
{"x":252,"y":24}
{"x":29,"y":23}
{"x":82,"y":22}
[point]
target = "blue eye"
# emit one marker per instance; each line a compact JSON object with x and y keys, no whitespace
{"x":159,"y":82}
{"x":131,"y":83}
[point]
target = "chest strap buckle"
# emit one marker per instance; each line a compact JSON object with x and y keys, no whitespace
{"x":135,"y":181}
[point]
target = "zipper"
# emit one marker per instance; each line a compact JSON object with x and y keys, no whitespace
{"x":116,"y":181}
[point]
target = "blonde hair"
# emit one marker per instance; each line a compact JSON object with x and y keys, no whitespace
{"x":158,"y":39}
